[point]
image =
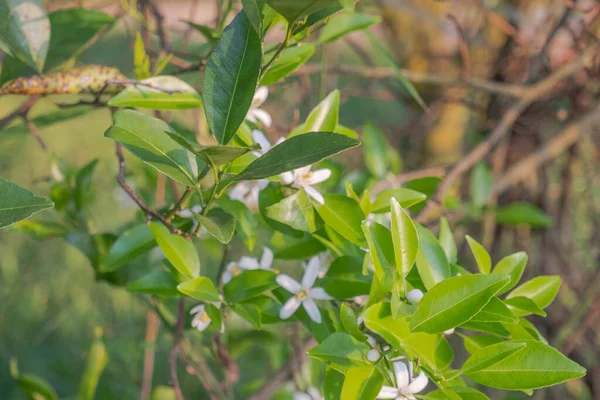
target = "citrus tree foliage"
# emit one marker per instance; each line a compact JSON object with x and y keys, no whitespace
{"x":379,"y":293}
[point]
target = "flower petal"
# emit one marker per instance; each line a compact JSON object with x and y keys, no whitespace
{"x":319,"y":294}
{"x":260,"y":96}
{"x":239,"y":191}
{"x":314,"y":194}
{"x":262,"y":183}
{"x":288,"y":283}
{"x":260,"y":138}
{"x":186,"y":213}
{"x":301,"y":396}
{"x":418,"y":384}
{"x":289,"y":307}
{"x":402,"y":376}
{"x":387,"y":392}
{"x":248,"y":263}
{"x":372,"y":355}
{"x":263,"y":116}
{"x":318,"y":176}
{"x":414,"y":295}
{"x":226,"y":277}
{"x":287,"y":177}
{"x":197,"y":209}
{"x":311,"y":272}
{"x":266,"y":260}
{"x":312,"y":310}
{"x":197,"y":309}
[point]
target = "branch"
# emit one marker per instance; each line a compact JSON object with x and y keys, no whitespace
{"x":23,"y":109}
{"x":175,"y":348}
{"x":533,"y":94}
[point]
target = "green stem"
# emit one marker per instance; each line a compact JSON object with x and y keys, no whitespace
{"x":186,"y":195}
{"x":282,"y":46}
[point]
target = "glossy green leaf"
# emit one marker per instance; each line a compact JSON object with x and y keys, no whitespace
{"x":180,"y":252}
{"x":84,"y":188}
{"x":305,"y":247}
{"x":344,"y":279}
{"x":94,"y":366}
{"x":341,"y":350}
{"x":495,"y":311}
{"x":267,"y":197}
{"x":166,"y":93}
{"x":333,"y":384}
{"x":375,"y":148}
{"x":160,"y":283}
{"x":520,"y":366}
{"x":513,"y":265}
{"x":447,"y":242}
{"x":296,"y":211}
{"x":522,"y":306}
{"x":343,"y":23}
{"x":494,"y":328}
{"x":456,"y":393}
{"x":476,"y":342}
{"x":25,"y":31}
{"x":405,"y":239}
{"x":41,"y":230}
{"x":255,"y":11}
{"x":17,"y":204}
{"x":250,"y":313}
{"x":294,"y":10}
{"x":131,"y":244}
{"x":405,"y":197}
{"x":249,"y":284}
{"x":516,"y":214}
{"x":542,"y":290}
{"x":210,"y":34}
{"x":324,"y":117}
{"x":200,"y":288}
{"x":482,"y":257}
{"x":455,"y":301}
{"x":344,"y":215}
{"x":146,"y":138}
{"x":245,"y":222}
{"x":378,"y":318}
{"x":217,"y":155}
{"x":288,"y":62}
{"x":350,"y":323}
{"x":481,"y":185}
{"x":432,"y":264}
{"x":230,"y":78}
{"x":297,"y":152}
{"x":381,"y":251}
{"x":362,"y":383}
{"x":219,"y":224}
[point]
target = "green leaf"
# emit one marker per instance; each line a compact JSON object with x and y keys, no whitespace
{"x":200,"y":288}
{"x":296,"y":211}
{"x":219,"y":224}
{"x":297,"y":152}
{"x":432,"y":264}
{"x":288,"y":62}
{"x":520,"y":366}
{"x":245,"y":222}
{"x":522,"y":306}
{"x":249,"y":284}
{"x":495,"y":311}
{"x":455,"y":301}
{"x":180,"y":252}
{"x":166,"y":93}
{"x":17,"y":204}
{"x":344,"y":215}
{"x":131,"y":244}
{"x":341,"y":351}
{"x":512,"y":265}
{"x":255,"y":11}
{"x":304,"y":248}
{"x":63,"y":44}
{"x":482,"y":257}
{"x":405,"y":239}
{"x":344,"y":279}
{"x":294,"y":10}
{"x":160,"y":283}
{"x":476,"y":342}
{"x":94,"y":366}
{"x":35,"y":387}
{"x":249,"y":312}
{"x":350,"y":323}
{"x":456,"y":393}
{"x":267,"y":197}
{"x":217,"y":155}
{"x":378,"y":318}
{"x":215,"y":315}
{"x":375,"y":149}
{"x":145,"y":137}
{"x":516,"y":214}
{"x":333,"y":384}
{"x":324,"y":117}
{"x":84,"y":188}
{"x":41,"y":230}
{"x":405,"y":197}
{"x":542,"y":290}
{"x":230,"y":78}
{"x":25,"y":31}
{"x":362,"y":383}
{"x":343,"y":23}
{"x":447,"y":242}
{"x":210,"y":34}
{"x":381,"y":247}
{"x":481,"y":185}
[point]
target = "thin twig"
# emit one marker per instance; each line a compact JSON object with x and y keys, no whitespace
{"x":23,"y":109}
{"x":175,"y":348}
{"x":463,"y":47}
{"x":35,"y":132}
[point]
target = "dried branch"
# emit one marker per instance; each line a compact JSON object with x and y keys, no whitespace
{"x":21,"y":110}
{"x":35,"y":132}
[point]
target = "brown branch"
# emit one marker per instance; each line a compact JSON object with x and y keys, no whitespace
{"x":267,"y":391}
{"x":152,"y":326}
{"x":199,"y":367}
{"x":463,"y":47}
{"x":175,"y":348}
{"x":533,"y":94}
{"x":21,"y":110}
{"x":35,"y":132}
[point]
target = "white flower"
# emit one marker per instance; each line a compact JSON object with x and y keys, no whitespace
{"x":264,"y":143}
{"x":414,"y":296}
{"x":235,"y":268}
{"x":303,"y":293}
{"x":189,"y":213}
{"x":255,"y":114}
{"x":304,"y":178}
{"x":310,"y":394}
{"x":201,"y":320}
{"x":407,"y":385}
{"x":375,"y":353}
{"x":247,"y":192}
